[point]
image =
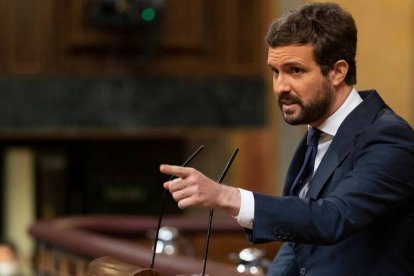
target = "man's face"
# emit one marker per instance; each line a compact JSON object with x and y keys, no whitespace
{"x":304,"y":95}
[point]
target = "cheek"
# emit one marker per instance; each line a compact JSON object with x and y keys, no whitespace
{"x":303,"y":90}
{"x":310,"y":89}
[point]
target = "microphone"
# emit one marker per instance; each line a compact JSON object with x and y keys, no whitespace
{"x":161,"y":214}
{"x":223,"y":174}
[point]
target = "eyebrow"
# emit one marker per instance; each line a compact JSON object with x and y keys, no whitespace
{"x":288,"y":64}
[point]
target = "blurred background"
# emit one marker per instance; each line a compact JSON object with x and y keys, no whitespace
{"x":95,"y":94}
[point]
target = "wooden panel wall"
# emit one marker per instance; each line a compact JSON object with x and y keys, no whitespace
{"x":197,"y":37}
{"x":26,"y":33}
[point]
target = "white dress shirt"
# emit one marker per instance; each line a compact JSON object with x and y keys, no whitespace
{"x":329,"y":128}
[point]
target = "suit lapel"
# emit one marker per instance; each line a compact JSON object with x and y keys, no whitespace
{"x":337,"y":152}
{"x":295,"y":166}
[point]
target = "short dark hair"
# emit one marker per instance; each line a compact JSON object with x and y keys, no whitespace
{"x":327,"y":27}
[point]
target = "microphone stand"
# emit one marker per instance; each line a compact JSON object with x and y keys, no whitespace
{"x":163,"y":198}
{"x":111,"y":266}
{"x":223,"y":174}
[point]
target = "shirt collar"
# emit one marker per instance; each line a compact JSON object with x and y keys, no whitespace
{"x":331,"y":125}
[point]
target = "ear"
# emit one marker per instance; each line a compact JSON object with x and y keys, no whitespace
{"x":339,"y":71}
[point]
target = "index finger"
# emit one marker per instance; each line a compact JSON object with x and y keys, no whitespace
{"x":181,"y":172}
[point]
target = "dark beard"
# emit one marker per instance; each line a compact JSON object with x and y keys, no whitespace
{"x":312,"y":112}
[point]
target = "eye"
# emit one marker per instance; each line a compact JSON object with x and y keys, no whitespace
{"x":274,"y":70}
{"x":297,"y":70}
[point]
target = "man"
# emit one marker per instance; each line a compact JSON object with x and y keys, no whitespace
{"x":354,"y":215}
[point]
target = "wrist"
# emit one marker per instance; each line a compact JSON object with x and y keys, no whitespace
{"x":229,"y":200}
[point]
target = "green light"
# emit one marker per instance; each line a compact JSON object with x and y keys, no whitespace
{"x":148,"y":14}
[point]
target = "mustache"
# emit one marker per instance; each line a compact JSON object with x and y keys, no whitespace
{"x":289,"y":98}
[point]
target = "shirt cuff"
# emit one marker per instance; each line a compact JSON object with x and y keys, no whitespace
{"x":246,"y":214}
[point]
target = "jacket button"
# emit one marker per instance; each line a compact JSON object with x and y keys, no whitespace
{"x":303,"y":271}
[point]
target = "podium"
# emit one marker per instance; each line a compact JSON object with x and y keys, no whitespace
{"x":107,"y":266}
{"x":89,"y":238}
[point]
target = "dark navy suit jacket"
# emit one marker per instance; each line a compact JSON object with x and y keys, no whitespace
{"x":358,"y":218}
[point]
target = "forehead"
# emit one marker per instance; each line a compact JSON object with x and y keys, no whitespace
{"x":291,"y":54}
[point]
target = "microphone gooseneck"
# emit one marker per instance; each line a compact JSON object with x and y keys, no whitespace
{"x":163,"y":198}
{"x":223,"y":174}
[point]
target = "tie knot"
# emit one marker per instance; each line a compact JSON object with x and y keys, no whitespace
{"x":312,"y":138}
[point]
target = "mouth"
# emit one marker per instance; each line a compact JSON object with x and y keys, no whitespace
{"x":288,"y":100}
{"x":288,"y":103}
{"x":289,"y":109}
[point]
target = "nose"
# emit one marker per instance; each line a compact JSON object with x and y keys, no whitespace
{"x":281,"y":84}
